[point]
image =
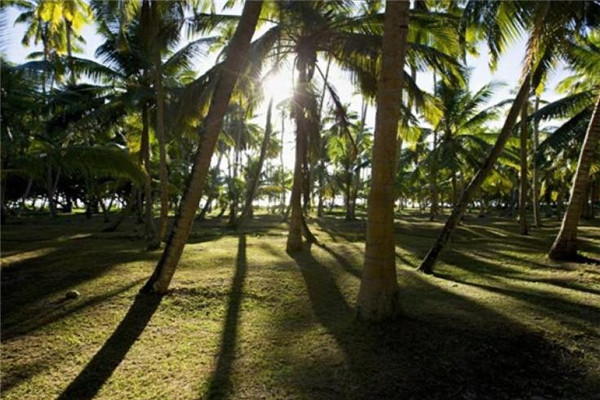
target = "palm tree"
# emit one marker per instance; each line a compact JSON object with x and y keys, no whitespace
{"x":378,"y":294}
{"x":565,"y":245}
{"x":310,"y":29}
{"x":237,"y":52}
{"x":584,"y":86}
{"x":523,"y":230}
{"x":551,"y":25}
{"x":253,"y":185}
{"x":460,"y":130}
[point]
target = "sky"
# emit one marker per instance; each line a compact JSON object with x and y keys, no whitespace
{"x":508,"y":71}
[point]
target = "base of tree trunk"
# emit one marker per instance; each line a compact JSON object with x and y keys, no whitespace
{"x":563,"y":251}
{"x":384,"y":306}
{"x":294,"y":245}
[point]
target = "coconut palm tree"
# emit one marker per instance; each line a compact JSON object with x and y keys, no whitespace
{"x":550,"y":26}
{"x":255,"y":179}
{"x":565,"y":245}
{"x":352,"y":42}
{"x":579,"y":106}
{"x":233,"y":65}
{"x":378,"y":293}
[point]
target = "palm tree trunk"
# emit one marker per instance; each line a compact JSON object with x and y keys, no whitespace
{"x":535,"y":190}
{"x":294,"y":240}
{"x":433,"y":181}
{"x":162,"y":149}
{"x":458,"y":211}
{"x":232,"y":67}
{"x":69,"y":33}
{"x":593,"y":199}
{"x":26,"y":194}
{"x":125,"y":212}
{"x":256,"y":179}
{"x":378,"y":293}
{"x":565,"y":245}
{"x":211,"y":196}
{"x":282,"y":170}
{"x":322,"y":168}
{"x":50,"y":189}
{"x":523,"y":175}
{"x":152,"y":241}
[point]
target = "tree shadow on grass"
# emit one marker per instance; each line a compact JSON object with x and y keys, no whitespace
{"x":220,"y":380}
{"x":59,"y":311}
{"x":426,"y":358}
{"x":89,"y":381}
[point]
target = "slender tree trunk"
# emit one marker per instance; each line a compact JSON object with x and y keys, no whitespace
{"x":256,"y":179}
{"x":26,"y":194}
{"x":234,"y":192}
{"x":232,"y":66}
{"x":433,"y":181}
{"x":535,"y":190}
{"x":69,"y":33}
{"x":348,"y":193}
{"x":294,"y":240}
{"x":211,"y":196}
{"x":458,"y":211}
{"x":162,"y":149}
{"x":125,"y":212}
{"x":593,"y":199}
{"x":152,"y":241}
{"x":322,"y":168}
{"x":282,"y":170}
{"x":565,"y":245}
{"x":523,"y":230}
{"x":378,"y":293}
{"x":50,"y":189}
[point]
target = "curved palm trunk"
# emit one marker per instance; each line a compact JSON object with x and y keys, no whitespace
{"x":256,"y":179}
{"x":378,"y":294}
{"x":232,"y":66}
{"x":458,"y":211}
{"x":162,"y":149}
{"x":523,"y":230}
{"x":565,"y":245}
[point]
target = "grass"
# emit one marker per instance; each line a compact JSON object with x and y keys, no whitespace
{"x":246,"y":321}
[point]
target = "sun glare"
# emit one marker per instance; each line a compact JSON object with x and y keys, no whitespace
{"x":279,"y":86}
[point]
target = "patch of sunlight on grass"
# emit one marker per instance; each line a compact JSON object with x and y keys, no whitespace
{"x":20,"y":257}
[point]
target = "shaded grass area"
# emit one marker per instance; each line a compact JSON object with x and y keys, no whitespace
{"x":246,"y":320}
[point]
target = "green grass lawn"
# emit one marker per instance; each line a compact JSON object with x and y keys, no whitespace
{"x":246,"y":321}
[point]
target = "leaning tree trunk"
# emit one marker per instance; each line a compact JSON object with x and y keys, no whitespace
{"x":565,"y":245}
{"x":162,"y":148}
{"x":378,"y":294}
{"x":152,"y":242}
{"x":322,"y":169}
{"x":523,"y":174}
{"x":256,"y":179}
{"x":458,"y":211}
{"x":232,"y":66}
